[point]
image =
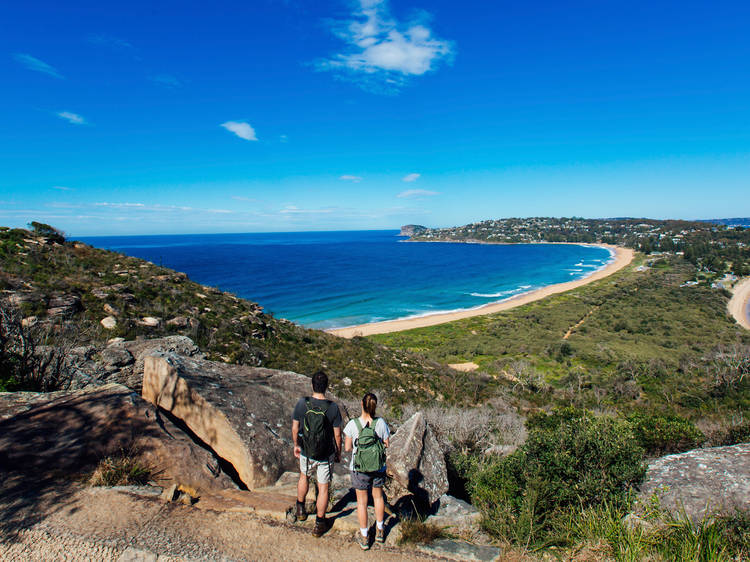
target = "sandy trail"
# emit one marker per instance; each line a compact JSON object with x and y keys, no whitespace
{"x":739,"y":304}
{"x":623,"y":257}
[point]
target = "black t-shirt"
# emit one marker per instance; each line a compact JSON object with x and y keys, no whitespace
{"x":332,"y":413}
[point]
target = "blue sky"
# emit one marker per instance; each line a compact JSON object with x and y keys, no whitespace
{"x":271,"y":115}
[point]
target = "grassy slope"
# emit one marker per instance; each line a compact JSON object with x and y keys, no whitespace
{"x":227,"y":328}
{"x":645,"y":342}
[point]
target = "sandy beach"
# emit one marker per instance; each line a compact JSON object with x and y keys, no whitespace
{"x":739,"y":303}
{"x":623,"y":256}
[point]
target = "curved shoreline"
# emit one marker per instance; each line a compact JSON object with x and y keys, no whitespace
{"x":739,"y":304}
{"x":622,"y":257}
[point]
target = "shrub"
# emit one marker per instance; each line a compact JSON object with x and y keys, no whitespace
{"x":660,"y":435}
{"x":122,"y":469}
{"x":417,"y":531}
{"x":570,"y":461}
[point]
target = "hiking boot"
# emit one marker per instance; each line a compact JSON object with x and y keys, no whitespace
{"x":379,"y":535}
{"x":363,"y":542}
{"x":321,"y":526}
{"x":301,"y":513}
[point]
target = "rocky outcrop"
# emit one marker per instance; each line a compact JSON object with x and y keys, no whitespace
{"x":412,"y":229}
{"x":702,"y":481}
{"x":456,"y":513}
{"x":64,"y":305}
{"x":69,"y":432}
{"x":242,"y":413}
{"x":415,"y":463}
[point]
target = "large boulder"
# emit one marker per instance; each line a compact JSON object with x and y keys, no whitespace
{"x":700,"y":482}
{"x":70,"y":432}
{"x":416,"y":463}
{"x":242,"y":413}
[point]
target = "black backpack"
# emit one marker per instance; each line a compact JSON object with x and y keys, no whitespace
{"x":317,"y":432}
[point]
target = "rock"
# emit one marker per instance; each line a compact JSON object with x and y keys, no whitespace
{"x":453,"y":512}
{"x":29,"y":321}
{"x":115,"y":356}
{"x":100,"y":292}
{"x":64,"y":305}
{"x":243,"y":413}
{"x":69,"y":432}
{"x":109,"y":322}
{"x":149,"y":321}
{"x":347,"y":381}
{"x":415,"y":463}
{"x":459,"y":550}
{"x":19,"y":298}
{"x":111,"y":310}
{"x":115,"y":340}
{"x":703,"y":481}
{"x":178,"y":321}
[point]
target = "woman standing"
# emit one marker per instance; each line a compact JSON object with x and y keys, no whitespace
{"x":367,"y":436}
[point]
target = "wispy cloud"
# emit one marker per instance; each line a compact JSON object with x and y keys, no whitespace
{"x":62,"y":188}
{"x":283,"y":138}
{"x":120,"y":205}
{"x":243,"y":198}
{"x":415,"y":193}
{"x":109,"y":41}
{"x":167,"y":80}
{"x":410,"y":177}
{"x":72,"y":117}
{"x":241,"y":129}
{"x":293,"y":210}
{"x":33,"y":63}
{"x":347,"y":177}
{"x":381,"y":48}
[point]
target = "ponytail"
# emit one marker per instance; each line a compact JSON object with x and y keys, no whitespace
{"x":369,"y":403}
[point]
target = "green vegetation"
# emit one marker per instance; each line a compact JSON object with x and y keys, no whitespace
{"x":34,"y":269}
{"x":123,"y":469}
{"x":417,"y":531}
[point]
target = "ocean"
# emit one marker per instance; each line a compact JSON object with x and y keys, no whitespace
{"x":337,"y":279}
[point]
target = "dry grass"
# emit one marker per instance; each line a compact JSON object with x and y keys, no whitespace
{"x":416,"y":531}
{"x":123,"y":469}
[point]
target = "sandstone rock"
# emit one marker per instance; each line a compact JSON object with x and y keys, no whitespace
{"x":242,"y":413}
{"x":100,"y":292}
{"x":19,"y":298}
{"x":703,"y":481}
{"x":149,"y":321}
{"x":29,"y":321}
{"x":111,"y":310}
{"x":114,"y":357}
{"x":71,"y":431}
{"x":415,"y":462}
{"x":178,"y":321}
{"x":64,"y":305}
{"x":453,"y":512}
{"x":115,"y":340}
{"x":109,"y":322}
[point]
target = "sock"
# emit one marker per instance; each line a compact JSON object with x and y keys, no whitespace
{"x":300,"y":502}
{"x":363,"y":531}
{"x":380,"y":524}
{"x":319,"y":518}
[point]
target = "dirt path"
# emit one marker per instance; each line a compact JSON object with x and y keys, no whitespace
{"x":106,"y":524}
{"x":574,"y":327}
{"x":739,"y":303}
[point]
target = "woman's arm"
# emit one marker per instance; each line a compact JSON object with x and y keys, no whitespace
{"x":348,"y":444}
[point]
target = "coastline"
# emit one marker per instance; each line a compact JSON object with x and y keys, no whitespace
{"x":739,"y":304}
{"x":622,"y":258}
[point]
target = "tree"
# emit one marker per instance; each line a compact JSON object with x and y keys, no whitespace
{"x":50,"y":232}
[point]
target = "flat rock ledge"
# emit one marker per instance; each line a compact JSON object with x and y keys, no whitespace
{"x":701,"y":482}
{"x":242,"y":413}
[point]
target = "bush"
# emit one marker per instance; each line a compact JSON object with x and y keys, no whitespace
{"x":417,"y":531}
{"x":123,"y":469}
{"x":570,"y":461}
{"x":660,"y":435}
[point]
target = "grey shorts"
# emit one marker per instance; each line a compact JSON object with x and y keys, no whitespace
{"x":366,"y":480}
{"x":320,"y":469}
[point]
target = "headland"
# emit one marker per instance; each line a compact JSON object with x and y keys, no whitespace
{"x":622,"y":257}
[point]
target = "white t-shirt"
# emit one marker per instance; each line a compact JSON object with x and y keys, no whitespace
{"x":381,"y":430}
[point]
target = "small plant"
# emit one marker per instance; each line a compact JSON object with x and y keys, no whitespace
{"x":123,"y":469}
{"x":417,"y":531}
{"x":660,"y":435}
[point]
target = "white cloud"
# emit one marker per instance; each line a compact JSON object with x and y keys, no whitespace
{"x":414,"y":193}
{"x":241,"y":129}
{"x":347,"y":177}
{"x":72,"y":117}
{"x":62,"y":188}
{"x":379,"y":46}
{"x":33,"y":63}
{"x":293,"y":210}
{"x":410,"y":177}
{"x":283,"y":138}
{"x":119,"y":205}
{"x":242,"y":198}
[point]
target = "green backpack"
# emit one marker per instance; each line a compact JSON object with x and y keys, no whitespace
{"x":370,"y":455}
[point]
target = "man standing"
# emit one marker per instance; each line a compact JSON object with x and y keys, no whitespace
{"x":316,"y":433}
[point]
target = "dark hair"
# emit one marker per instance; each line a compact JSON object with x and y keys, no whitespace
{"x":369,"y":403}
{"x":320,"y":382}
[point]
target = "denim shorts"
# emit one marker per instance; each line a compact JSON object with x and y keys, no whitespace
{"x":366,"y":480}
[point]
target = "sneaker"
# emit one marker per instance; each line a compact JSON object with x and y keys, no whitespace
{"x":301,"y":513}
{"x":363,"y":542}
{"x":321,"y":526}
{"x":379,"y":535}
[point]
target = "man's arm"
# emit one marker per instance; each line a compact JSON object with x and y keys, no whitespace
{"x":295,"y":436}
{"x":337,"y":439}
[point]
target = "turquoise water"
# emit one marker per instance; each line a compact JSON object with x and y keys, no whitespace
{"x":336,"y":279}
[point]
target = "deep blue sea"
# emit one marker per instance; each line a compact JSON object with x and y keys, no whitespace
{"x":336,"y":279}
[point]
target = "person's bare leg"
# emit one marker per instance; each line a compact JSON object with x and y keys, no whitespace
{"x":362,"y":508}
{"x":302,"y":486}
{"x":322,"y":503}
{"x":379,"y":502}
